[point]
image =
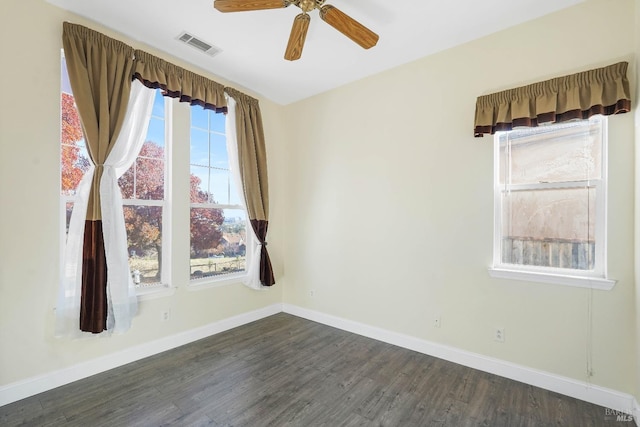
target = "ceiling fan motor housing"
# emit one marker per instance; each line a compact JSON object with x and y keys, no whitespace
{"x":307,"y":5}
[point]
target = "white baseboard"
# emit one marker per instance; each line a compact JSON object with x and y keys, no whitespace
{"x":19,"y":390}
{"x":608,"y":398}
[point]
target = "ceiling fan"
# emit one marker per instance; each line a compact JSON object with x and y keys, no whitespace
{"x":330,"y":14}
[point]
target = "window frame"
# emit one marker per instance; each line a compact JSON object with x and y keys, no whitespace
{"x":594,"y":278}
{"x":229,"y":278}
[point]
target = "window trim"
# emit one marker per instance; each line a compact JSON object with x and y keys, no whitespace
{"x":549,"y":277}
{"x":153,"y":291}
{"x":595,"y":278}
{"x":217,"y":281}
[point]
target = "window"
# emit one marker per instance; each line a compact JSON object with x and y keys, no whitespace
{"x":144,"y":201}
{"x":74,"y":159}
{"x":143,"y":188}
{"x":218,"y":222}
{"x":550,"y":203}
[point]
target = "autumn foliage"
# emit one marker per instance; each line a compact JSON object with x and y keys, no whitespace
{"x":205,"y":222}
{"x":73,"y":164}
{"x":145,"y":178}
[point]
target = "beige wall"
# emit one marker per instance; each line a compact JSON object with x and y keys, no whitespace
{"x":390,"y":204}
{"x":29,"y":188}
{"x":637,"y":203}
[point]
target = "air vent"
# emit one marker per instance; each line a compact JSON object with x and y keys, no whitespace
{"x":202,"y":46}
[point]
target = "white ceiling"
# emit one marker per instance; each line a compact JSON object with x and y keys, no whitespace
{"x":253,"y":43}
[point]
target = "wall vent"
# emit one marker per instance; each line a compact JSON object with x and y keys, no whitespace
{"x":202,"y":46}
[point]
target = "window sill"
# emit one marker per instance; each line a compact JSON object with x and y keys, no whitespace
{"x":556,"y":279}
{"x":209,"y":282}
{"x":154,"y":291}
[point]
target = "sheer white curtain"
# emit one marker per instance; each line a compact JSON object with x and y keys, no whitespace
{"x":253,"y":244}
{"x":68,"y":306}
{"x":122,"y":302}
{"x":121,"y":296}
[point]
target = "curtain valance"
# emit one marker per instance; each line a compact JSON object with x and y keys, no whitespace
{"x":155,"y":72}
{"x":576,"y":96}
{"x":179,"y":83}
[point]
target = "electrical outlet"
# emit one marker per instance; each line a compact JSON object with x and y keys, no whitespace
{"x":437,"y":322}
{"x":166,"y":315}
{"x":312,"y":293}
{"x":499,"y":335}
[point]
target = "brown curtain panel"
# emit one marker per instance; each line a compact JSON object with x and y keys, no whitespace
{"x":253,"y":172}
{"x":100,"y":70}
{"x":176,"y":82}
{"x":576,"y":96}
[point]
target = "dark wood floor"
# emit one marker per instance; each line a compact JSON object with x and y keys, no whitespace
{"x":287,"y":371}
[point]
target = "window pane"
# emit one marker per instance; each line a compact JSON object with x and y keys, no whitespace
{"x":569,"y":152}
{"x":155,"y":135}
{"x":199,"y":147}
{"x":234,"y":197}
{"x":144,"y":240}
{"x":127,"y":183}
{"x":220,"y":185}
{"x":74,"y":158}
{"x":200,"y":184}
{"x":218,"y":242}
{"x":65,"y":84}
{"x":144,"y":180}
{"x":218,"y":236}
{"x":156,"y":131}
{"x":217,"y":122}
{"x":199,"y":118}
{"x":158,"y":105}
{"x":74,"y":163}
{"x":210,"y":171}
{"x":219,"y":156}
{"x":551,"y":227}
{"x":149,"y":179}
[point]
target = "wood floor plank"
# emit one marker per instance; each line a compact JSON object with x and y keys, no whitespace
{"x":29,"y":412}
{"x":288,"y":371}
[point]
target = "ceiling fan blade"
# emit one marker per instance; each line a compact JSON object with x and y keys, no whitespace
{"x":247,"y":5}
{"x":297,"y":37}
{"x":348,"y":26}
